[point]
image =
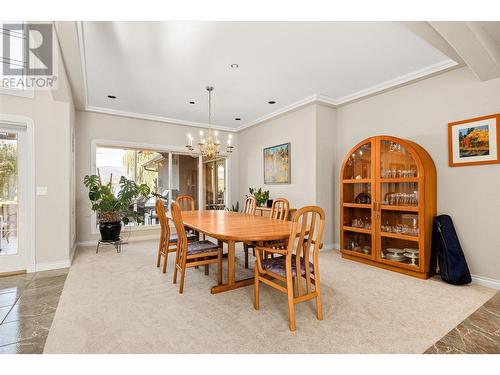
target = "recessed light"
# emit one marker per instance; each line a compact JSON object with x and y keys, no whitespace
{"x":191,"y":102}
{"x":272,"y":102}
{"x":234,"y":66}
{"x":111,"y":96}
{"x":237,"y":119}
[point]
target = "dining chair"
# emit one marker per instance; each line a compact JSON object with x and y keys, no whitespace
{"x":279,"y":210}
{"x":168,"y":240}
{"x":192,"y":254}
{"x":294,"y":263}
{"x":250,"y":205}
{"x":186,"y":202}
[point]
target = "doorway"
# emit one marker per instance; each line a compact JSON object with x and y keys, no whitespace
{"x":16,"y":203}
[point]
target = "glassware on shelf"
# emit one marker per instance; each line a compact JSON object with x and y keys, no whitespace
{"x":401,"y":199}
{"x":398,"y":173}
{"x":360,"y":223}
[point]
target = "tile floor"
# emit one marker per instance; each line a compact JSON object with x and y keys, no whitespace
{"x":478,"y":334}
{"x":27,"y":307}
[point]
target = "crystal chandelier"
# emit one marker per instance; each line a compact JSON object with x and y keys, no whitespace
{"x":209,"y":146}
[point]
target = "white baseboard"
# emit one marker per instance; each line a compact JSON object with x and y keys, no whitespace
{"x":486,"y":281}
{"x":329,"y":246}
{"x":47,"y":266}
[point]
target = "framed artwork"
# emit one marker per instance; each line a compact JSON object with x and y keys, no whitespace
{"x":474,"y":141}
{"x":277,"y":164}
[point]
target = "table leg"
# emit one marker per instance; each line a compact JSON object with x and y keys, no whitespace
{"x":231,"y":282}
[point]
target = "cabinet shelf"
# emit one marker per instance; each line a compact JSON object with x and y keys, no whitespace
{"x":358,"y":230}
{"x":399,"y":179}
{"x":399,"y":208}
{"x":358,"y":181}
{"x":357,"y":205}
{"x":400,"y":236}
{"x":373,"y":157}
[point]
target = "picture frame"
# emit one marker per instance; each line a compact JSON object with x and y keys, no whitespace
{"x":277,"y":164}
{"x":474,"y":141}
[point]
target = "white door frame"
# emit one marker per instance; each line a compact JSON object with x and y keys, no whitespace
{"x":29,"y":221}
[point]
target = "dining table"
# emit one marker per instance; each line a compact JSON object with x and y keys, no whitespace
{"x":231,"y":227}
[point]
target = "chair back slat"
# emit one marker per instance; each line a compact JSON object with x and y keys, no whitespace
{"x":250,"y":205}
{"x":164,"y":226}
{"x":182,"y":242}
{"x":304,"y":242}
{"x":280,"y":209}
{"x":186,"y":202}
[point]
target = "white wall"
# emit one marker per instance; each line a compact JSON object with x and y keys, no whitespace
{"x":420,"y":112}
{"x":91,"y":126}
{"x":310,"y":132}
{"x":52,"y":113}
{"x":299,"y":129}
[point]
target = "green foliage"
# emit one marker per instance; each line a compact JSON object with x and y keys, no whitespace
{"x":8,"y":168}
{"x":260,"y":196}
{"x":234,"y":208}
{"x":110,"y":207}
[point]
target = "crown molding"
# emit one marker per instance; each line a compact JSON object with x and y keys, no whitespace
{"x":401,"y":80}
{"x":143,"y":116}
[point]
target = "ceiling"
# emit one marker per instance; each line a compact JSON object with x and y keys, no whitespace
{"x":156,"y":68}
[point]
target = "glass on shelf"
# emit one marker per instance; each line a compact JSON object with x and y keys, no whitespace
{"x":357,"y":193}
{"x":400,"y":193}
{"x":399,"y":223}
{"x":357,"y":217}
{"x":400,"y":251}
{"x":358,"y":242}
{"x":396,"y":161}
{"x":358,"y":166}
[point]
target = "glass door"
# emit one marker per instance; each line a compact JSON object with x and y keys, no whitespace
{"x":13,"y":188}
{"x":214,"y":189}
{"x":356,"y":196}
{"x":398,"y":201}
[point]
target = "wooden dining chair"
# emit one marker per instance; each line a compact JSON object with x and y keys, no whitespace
{"x":192,"y":254}
{"x":250,"y":205}
{"x":294,"y":263}
{"x":186,"y":202}
{"x":279,"y":210}
{"x":168,"y":240}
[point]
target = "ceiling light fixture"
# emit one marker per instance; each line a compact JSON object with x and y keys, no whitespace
{"x":237,"y":119}
{"x":191,"y":102}
{"x":209,"y":148}
{"x":234,"y":66}
{"x":111,"y":96}
{"x":272,"y":102}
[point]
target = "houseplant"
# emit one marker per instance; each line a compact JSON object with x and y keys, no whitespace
{"x":112,"y":209}
{"x":260,"y":196}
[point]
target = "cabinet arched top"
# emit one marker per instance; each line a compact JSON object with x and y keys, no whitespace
{"x":373,"y":157}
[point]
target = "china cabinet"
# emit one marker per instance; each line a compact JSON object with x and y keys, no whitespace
{"x":387,"y":204}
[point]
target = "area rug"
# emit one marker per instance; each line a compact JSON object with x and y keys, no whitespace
{"x":121,"y":303}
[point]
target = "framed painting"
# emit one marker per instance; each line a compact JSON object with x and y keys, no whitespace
{"x":474,"y":141}
{"x":277,"y":164}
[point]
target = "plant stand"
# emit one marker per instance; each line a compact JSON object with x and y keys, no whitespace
{"x":116,"y":243}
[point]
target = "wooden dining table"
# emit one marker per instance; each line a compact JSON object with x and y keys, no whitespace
{"x":231,"y":227}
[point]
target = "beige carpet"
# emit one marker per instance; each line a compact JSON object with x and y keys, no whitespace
{"x":121,"y":303}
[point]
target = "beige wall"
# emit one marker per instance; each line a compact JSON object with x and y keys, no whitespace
{"x":420,"y":112}
{"x":91,"y":126}
{"x":52,"y":113}
{"x":310,"y":132}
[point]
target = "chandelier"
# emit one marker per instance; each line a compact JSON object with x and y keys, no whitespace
{"x":209,"y":147}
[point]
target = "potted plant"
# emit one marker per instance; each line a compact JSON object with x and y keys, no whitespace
{"x":260,"y":196}
{"x":112,"y":209}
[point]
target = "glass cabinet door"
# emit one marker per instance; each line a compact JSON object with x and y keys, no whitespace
{"x":357,"y":195}
{"x":398,"y":196}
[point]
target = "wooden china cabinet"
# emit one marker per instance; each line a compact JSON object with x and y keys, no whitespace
{"x":387,"y":204}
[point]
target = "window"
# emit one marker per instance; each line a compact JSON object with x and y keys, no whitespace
{"x":169,"y":174}
{"x":15,"y":57}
